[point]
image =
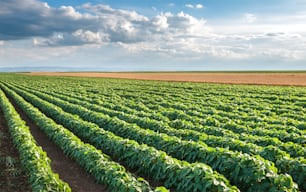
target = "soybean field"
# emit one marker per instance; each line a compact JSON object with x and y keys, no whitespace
{"x":103,"y":134}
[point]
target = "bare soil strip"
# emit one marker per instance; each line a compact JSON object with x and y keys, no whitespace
{"x":69,"y":171}
{"x":12,"y":176}
{"x":288,"y":79}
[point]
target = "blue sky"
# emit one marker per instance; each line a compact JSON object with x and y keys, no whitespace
{"x":213,"y":8}
{"x":153,"y":35}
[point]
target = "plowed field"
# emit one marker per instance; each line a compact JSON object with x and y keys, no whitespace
{"x":296,"y":79}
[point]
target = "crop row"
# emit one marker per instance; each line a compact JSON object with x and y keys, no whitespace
{"x":242,"y":100}
{"x":249,"y":173}
{"x":203,"y":98}
{"x":34,"y":160}
{"x":274,"y":94}
{"x":174,"y":173}
{"x":242,"y":112}
{"x":295,"y":167}
{"x":197,"y":131}
{"x":94,"y":161}
{"x":261,"y":118}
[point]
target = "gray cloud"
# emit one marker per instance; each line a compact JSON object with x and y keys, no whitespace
{"x":86,"y":24}
{"x":28,"y":18}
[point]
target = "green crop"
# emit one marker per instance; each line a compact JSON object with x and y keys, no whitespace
{"x":148,"y":160}
{"x":93,"y":160}
{"x":34,"y":160}
{"x":185,"y":136}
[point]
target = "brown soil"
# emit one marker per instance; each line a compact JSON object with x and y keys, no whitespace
{"x":12,"y":178}
{"x":69,"y":171}
{"x":293,"y":79}
{"x":286,"y":79}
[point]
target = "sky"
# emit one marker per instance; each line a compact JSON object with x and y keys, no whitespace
{"x":147,"y":35}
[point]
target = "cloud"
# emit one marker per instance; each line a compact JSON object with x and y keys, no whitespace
{"x":189,"y":6}
{"x":250,"y":18}
{"x":261,"y":47}
{"x":199,"y":6}
{"x":196,"y":6}
{"x":23,"y":19}
{"x":31,"y":53}
{"x":182,"y":23}
{"x":37,"y":19}
{"x":176,"y":35}
{"x":78,"y":37}
{"x":88,"y":24}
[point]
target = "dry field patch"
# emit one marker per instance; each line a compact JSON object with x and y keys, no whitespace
{"x":289,"y":79}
